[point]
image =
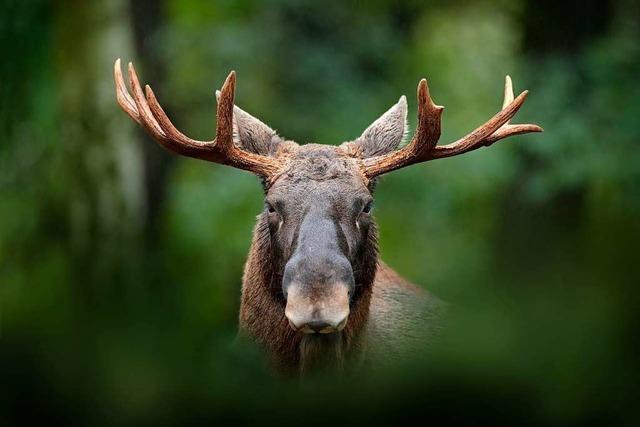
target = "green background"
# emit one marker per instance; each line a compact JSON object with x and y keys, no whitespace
{"x":120,"y":265}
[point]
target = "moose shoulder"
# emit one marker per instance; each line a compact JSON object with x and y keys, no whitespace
{"x":314,"y":291}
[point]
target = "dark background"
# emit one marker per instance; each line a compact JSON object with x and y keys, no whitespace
{"x":120,"y":265}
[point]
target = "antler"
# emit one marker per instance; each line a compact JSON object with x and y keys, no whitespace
{"x":423,"y":146}
{"x":148,"y":113}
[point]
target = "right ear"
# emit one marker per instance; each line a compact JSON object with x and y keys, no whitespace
{"x":384,"y":135}
{"x":251,"y":134}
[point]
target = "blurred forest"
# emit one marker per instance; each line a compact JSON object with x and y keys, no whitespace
{"x":120,"y":264}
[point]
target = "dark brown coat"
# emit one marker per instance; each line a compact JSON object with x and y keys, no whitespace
{"x":391,"y":316}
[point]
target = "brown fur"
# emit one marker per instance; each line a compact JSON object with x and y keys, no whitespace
{"x":387,"y":313}
{"x":262,"y":309}
{"x":387,"y":316}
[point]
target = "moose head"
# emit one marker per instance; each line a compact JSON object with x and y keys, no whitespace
{"x":313,"y":266}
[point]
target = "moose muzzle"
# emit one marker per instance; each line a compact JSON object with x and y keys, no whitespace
{"x":318,"y":279}
{"x":323,"y":310}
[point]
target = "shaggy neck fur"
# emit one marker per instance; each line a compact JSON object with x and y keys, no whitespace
{"x":262,"y":310}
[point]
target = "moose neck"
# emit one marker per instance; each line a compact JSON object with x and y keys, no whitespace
{"x":262,"y":310}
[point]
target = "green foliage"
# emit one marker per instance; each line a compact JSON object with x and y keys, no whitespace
{"x":119,"y":285}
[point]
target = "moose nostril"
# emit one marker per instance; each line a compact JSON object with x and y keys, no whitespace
{"x":320,"y":326}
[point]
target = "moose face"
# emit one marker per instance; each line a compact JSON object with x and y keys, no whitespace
{"x":320,"y":225}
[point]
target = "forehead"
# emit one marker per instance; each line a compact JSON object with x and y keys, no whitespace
{"x":320,"y":170}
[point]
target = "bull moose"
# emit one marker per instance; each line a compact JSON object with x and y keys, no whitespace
{"x":314,"y":292}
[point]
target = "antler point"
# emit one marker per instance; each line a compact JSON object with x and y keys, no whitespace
{"x":423,"y":86}
{"x":230,"y":81}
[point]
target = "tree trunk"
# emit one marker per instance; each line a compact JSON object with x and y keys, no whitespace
{"x":104,"y":164}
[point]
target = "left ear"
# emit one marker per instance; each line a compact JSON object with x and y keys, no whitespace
{"x":383,"y":135}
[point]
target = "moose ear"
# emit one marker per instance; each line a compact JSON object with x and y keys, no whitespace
{"x":251,"y":135}
{"x":383,"y":135}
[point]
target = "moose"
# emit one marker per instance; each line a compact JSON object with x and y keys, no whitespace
{"x":314,"y":291}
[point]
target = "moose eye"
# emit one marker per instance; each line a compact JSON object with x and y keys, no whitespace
{"x":271,"y":209}
{"x":367,"y":207}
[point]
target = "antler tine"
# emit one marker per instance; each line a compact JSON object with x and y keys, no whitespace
{"x":122,"y":94}
{"x":166,"y":125}
{"x":423,"y":146}
{"x":224,"y":130}
{"x":429,"y":121}
{"x":228,"y":152}
{"x":147,"y":112}
{"x":160,"y":127}
{"x":495,"y":129}
{"x":508,"y":92}
{"x":509,"y":129}
{"x":476,"y":139}
{"x":148,"y":121}
{"x":423,"y":142}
